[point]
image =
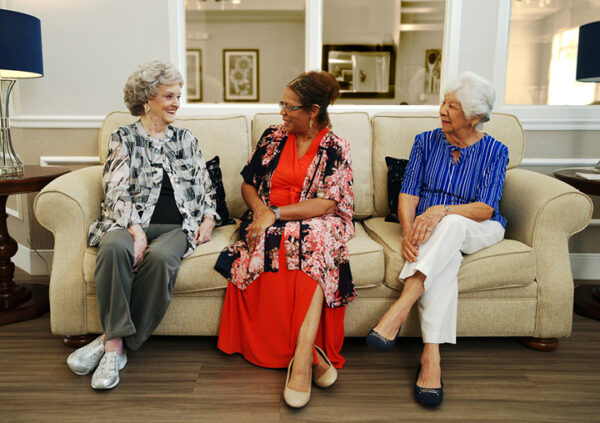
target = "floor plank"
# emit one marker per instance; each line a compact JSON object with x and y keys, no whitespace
{"x":186,"y":379}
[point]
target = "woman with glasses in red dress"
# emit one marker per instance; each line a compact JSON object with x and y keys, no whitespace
{"x":290,"y":276}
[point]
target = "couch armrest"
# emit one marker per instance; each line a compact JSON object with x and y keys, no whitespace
{"x":543,"y":213}
{"x":67,"y":206}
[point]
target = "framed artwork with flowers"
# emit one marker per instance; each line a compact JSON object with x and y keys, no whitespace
{"x":240,"y":75}
{"x":193,"y":75}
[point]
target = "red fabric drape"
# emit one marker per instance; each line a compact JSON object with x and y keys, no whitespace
{"x":262,"y":322}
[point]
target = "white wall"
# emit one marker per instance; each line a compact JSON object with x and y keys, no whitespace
{"x":279,"y":37}
{"x":90,"y":47}
{"x":477,"y":42}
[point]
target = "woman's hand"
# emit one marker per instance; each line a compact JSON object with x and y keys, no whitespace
{"x":140,"y":243}
{"x":204,"y":232}
{"x":424,"y":223}
{"x":410,"y":249}
{"x":263,"y":218}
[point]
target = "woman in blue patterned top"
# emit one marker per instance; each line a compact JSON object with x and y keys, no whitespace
{"x":159,"y":204}
{"x":448,"y":205}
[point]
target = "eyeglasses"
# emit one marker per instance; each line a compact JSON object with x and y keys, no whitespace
{"x":288,"y":107}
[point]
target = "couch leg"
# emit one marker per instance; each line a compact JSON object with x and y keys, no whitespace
{"x":540,"y":344}
{"x":77,"y":341}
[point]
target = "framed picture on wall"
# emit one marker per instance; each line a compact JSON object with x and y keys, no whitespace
{"x":193,"y":80}
{"x":240,"y":75}
{"x":433,"y":71}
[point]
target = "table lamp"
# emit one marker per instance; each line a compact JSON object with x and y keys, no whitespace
{"x":588,"y":56}
{"x":20,"y":57}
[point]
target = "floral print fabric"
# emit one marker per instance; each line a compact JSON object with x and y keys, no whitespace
{"x":317,"y":246}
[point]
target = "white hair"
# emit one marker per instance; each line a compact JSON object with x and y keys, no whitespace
{"x":476,"y":95}
{"x":142,"y":85}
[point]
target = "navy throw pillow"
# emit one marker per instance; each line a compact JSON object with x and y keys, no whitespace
{"x":396,"y":168}
{"x":216,"y":178}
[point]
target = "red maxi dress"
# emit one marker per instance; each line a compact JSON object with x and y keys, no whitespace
{"x":262,"y":322}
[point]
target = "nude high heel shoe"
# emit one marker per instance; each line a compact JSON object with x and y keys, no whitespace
{"x":330,"y":376}
{"x":293,"y":398}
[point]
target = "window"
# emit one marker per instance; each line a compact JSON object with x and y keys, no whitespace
{"x":242,"y":50}
{"x":384,"y":51}
{"x":542,"y":52}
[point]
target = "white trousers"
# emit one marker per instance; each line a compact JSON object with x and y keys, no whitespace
{"x":439,"y":260}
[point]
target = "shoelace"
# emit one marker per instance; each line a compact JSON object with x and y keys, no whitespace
{"x":112,"y":366}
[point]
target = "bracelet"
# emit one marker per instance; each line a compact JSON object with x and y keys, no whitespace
{"x":275,"y":210}
{"x":447,"y":207}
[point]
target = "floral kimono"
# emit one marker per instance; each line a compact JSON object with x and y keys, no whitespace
{"x":317,"y":246}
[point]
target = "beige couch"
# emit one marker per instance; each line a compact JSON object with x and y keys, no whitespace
{"x":520,"y":287}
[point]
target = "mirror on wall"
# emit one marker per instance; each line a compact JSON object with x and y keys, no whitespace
{"x":361,"y":70}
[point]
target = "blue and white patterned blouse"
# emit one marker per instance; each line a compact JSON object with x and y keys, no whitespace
{"x":132,"y":179}
{"x":477,"y":176}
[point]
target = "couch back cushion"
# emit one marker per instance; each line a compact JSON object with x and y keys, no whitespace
{"x":227,"y":137}
{"x":394,"y":135}
{"x":356,"y":129}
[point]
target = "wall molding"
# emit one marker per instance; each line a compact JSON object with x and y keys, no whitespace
{"x":68,"y":160}
{"x":561,"y":162}
{"x":554,"y":118}
{"x":585,"y":266}
{"x":34,"y":262}
{"x":56,"y":121}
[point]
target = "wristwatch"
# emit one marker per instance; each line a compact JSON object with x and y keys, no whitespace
{"x":447,"y":207}
{"x":275,"y":210}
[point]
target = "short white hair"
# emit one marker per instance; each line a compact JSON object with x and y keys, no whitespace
{"x":142,"y":85}
{"x":476,"y":95}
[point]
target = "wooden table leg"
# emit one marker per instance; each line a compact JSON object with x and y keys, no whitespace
{"x":587,"y":301}
{"x":16,"y":302}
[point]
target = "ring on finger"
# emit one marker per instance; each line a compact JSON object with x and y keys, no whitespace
{"x":428,"y":229}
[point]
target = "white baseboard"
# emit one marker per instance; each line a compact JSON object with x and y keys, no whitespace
{"x":34,"y":263}
{"x":585,"y":266}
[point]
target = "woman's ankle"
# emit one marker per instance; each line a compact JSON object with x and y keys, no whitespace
{"x":114,"y":344}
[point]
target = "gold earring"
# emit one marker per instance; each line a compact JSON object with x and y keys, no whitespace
{"x":310,"y":122}
{"x":146,"y":109}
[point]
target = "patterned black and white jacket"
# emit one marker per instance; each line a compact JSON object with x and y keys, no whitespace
{"x":132,"y":179}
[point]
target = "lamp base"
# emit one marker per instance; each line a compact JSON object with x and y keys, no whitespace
{"x":15,"y":170}
{"x":9,"y":161}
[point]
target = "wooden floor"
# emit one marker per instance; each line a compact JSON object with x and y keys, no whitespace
{"x":186,"y":379}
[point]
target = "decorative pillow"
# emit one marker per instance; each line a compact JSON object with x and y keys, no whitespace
{"x":216,"y":178}
{"x":396,"y":168}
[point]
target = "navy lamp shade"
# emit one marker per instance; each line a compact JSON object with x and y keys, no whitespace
{"x":20,"y":57}
{"x":588,"y":53}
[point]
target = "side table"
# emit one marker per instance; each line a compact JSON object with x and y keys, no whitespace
{"x":20,"y":302}
{"x":587,"y":297}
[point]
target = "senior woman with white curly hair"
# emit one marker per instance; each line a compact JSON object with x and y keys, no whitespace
{"x":448,"y":205}
{"x":159,"y":204}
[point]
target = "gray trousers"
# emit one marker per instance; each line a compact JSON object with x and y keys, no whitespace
{"x":132,"y":304}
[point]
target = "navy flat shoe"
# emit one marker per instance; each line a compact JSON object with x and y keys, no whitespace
{"x":428,"y":397}
{"x":375,"y":340}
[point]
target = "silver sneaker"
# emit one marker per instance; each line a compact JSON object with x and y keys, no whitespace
{"x":85,"y":359}
{"x":106,"y":375}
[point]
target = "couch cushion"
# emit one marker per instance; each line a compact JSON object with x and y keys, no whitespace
{"x":196,"y":272}
{"x":394,"y":135}
{"x":356,"y":129}
{"x":509,"y":263}
{"x":213,"y":133}
{"x":367,"y":263}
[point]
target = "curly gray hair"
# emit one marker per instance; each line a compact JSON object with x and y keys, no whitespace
{"x":142,"y":85}
{"x":476,"y":95}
